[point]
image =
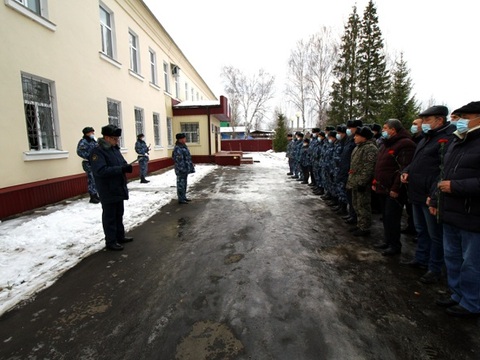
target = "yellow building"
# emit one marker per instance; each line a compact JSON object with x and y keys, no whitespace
{"x":71,"y":64}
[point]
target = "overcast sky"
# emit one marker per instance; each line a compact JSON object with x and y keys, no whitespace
{"x":439,"y":39}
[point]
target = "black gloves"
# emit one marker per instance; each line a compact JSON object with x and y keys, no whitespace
{"x":127,"y":168}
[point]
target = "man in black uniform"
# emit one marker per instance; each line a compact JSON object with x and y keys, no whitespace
{"x":109,"y":168}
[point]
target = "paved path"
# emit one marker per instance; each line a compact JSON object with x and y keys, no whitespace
{"x":246,"y":271}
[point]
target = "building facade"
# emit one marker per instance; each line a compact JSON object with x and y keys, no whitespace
{"x":71,"y":64}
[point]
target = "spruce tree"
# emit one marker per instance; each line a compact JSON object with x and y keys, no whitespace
{"x":401,"y":104}
{"x":280,"y":140}
{"x":373,"y":78}
{"x":345,"y":89}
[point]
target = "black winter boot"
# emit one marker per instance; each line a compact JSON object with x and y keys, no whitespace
{"x":143,"y":180}
{"x":94,"y":199}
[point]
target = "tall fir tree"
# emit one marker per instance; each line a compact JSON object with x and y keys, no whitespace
{"x":345,"y":89}
{"x":280,"y":140}
{"x":373,"y":77}
{"x":401,"y":104}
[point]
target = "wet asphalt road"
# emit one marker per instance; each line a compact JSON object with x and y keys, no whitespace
{"x":236,"y":274}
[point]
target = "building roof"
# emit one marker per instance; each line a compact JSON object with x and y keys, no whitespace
{"x":238,"y":129}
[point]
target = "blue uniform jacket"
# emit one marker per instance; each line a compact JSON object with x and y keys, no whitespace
{"x":107,"y":162}
{"x":183,"y":160}
{"x":85,"y":147}
{"x":142,"y":149}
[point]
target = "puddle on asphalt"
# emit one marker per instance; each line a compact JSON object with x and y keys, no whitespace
{"x":209,"y":340}
{"x":233,"y":258}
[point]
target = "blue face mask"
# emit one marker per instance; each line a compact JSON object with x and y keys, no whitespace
{"x":414,"y":129}
{"x":385,"y":135}
{"x":462,"y":125}
{"x":349,"y":132}
{"x":339,"y":137}
{"x":454,"y":123}
{"x":426,"y":128}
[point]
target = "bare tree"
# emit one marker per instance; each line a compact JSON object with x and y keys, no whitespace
{"x":298,"y":88}
{"x":232,"y":78}
{"x":252,"y":94}
{"x":323,"y":53}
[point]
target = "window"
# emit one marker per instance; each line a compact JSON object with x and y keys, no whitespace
{"x":153,"y":67}
{"x":169,"y":131}
{"x":156,"y":130}
{"x":38,"y":105}
{"x":166,"y":77}
{"x":36,"y":10}
{"x":192,"y":92}
{"x":177,"y":87}
{"x":134,"y":57}
{"x":107,"y":33}
{"x":191,"y":132}
{"x":197,"y":96}
{"x":139,"y":121}
{"x":33,"y":5}
{"x":186,"y":91}
{"x":115,"y":115}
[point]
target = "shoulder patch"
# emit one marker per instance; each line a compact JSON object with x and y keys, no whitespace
{"x":94,"y":157}
{"x":371,"y":156}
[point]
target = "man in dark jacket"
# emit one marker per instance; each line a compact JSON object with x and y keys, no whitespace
{"x":421,"y":175}
{"x":183,"y":166}
{"x":109,"y":168}
{"x":394,"y":155}
{"x":459,"y":209}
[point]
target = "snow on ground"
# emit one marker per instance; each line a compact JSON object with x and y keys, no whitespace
{"x":36,"y":249}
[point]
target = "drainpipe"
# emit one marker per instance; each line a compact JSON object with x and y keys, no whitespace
{"x":209,"y":133}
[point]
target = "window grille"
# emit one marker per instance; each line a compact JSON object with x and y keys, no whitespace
{"x":38,"y":105}
{"x":169,"y":131}
{"x":115,"y":115}
{"x":156,"y":129}
{"x":191,"y":131}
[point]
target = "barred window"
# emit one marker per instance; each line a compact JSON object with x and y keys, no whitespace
{"x":139,"y":121}
{"x":191,"y":131}
{"x":38,"y":104}
{"x":115,"y":115}
{"x":169,"y":131}
{"x":156,"y":130}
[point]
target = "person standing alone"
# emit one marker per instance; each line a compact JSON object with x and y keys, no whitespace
{"x":84,"y":148}
{"x":142,"y":150}
{"x":183,"y":166}
{"x":109,"y":168}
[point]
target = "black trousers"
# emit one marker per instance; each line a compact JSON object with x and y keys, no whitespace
{"x":112,"y":221}
{"x":392,"y":210}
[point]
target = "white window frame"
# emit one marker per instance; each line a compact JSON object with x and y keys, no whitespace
{"x":115,"y":119}
{"x":170,"y":131}
{"x":139,"y":121}
{"x":186,"y":90}
{"x":43,"y":151}
{"x":192,"y":93}
{"x":177,"y":87}
{"x":107,"y":31}
{"x":192,"y":135}
{"x":166,"y":76}
{"x":134,"y":50}
{"x":157,"y":130}
{"x":153,"y":67}
{"x":41,"y":17}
